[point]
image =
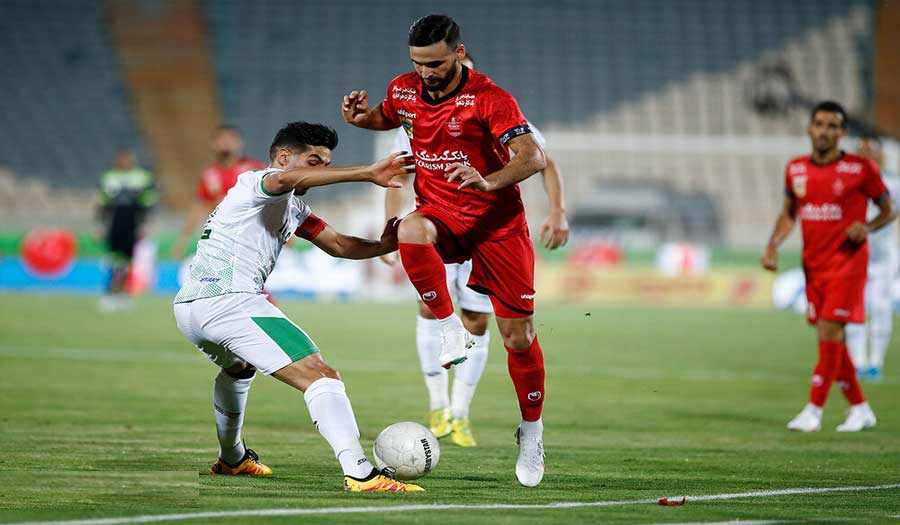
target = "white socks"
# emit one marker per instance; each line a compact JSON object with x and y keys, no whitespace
{"x":530,"y":428}
{"x":229,"y":401}
{"x":428,"y":343}
{"x":330,"y":410}
{"x":466,"y":376}
{"x":855,"y":337}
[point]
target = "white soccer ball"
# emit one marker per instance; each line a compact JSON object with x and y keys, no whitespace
{"x":406,"y":450}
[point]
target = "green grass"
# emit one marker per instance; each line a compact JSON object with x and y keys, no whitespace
{"x":107,"y":416}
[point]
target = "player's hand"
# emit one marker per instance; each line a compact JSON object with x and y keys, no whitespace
{"x":555,"y":230}
{"x":356,"y":107}
{"x":857,"y":232}
{"x":389,"y":235}
{"x":383,"y":172}
{"x":467,"y":175}
{"x":769,"y":259}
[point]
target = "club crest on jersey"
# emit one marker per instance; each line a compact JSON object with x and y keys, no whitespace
{"x":454,"y":127}
{"x":798,"y":184}
{"x":838,"y":187}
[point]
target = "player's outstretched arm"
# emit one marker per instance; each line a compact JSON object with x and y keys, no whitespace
{"x":381,"y":173}
{"x":555,"y":230}
{"x":356,"y":111}
{"x":529,"y":160}
{"x":783,"y":226}
{"x":344,"y":246}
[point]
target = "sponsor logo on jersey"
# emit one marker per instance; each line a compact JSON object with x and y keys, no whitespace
{"x":821,"y":212}
{"x":795,"y":169}
{"x":528,"y":296}
{"x":430,"y":161}
{"x":454,"y":127}
{"x":798,"y":183}
{"x":465,"y":100}
{"x":408,"y":114}
{"x":408,"y":94}
{"x":849,"y":167}
{"x":429,"y":296}
{"x":534,"y":396}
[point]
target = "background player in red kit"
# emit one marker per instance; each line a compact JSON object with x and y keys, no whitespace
{"x":829,"y":190}
{"x":217,"y":179}
{"x":462,"y":127}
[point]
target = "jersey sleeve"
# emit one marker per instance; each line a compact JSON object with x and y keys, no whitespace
{"x":873,"y":186}
{"x":259,"y":192}
{"x":389,"y":104}
{"x":502,"y":114}
{"x":208,"y":187}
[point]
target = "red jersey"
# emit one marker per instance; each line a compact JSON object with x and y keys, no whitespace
{"x":217,"y":180}
{"x":471,"y":125}
{"x":829,"y":199}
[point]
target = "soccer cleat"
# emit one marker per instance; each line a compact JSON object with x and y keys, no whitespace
{"x":455,"y":344}
{"x":249,"y":465}
{"x":462,"y":433}
{"x":378,"y":482}
{"x":439,"y":422}
{"x":530,"y":465}
{"x":859,"y":417}
{"x":808,"y":420}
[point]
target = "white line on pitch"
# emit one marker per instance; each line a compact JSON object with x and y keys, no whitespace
{"x":155,"y":518}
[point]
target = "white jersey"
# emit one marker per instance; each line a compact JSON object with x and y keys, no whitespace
{"x":242,"y":239}
{"x":884,"y":245}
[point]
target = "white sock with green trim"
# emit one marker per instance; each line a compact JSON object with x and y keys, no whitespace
{"x":466,"y":376}
{"x":428,"y":344}
{"x":329,"y":407}
{"x":229,"y":402}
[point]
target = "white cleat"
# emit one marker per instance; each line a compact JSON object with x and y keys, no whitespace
{"x":530,"y":465}
{"x":455,"y":344}
{"x":808,"y":420}
{"x":859,"y":417}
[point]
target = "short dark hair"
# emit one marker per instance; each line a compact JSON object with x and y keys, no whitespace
{"x":432,"y":29}
{"x":831,"y":107}
{"x":299,"y":136}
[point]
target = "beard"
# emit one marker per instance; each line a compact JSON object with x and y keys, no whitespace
{"x":439,"y":83}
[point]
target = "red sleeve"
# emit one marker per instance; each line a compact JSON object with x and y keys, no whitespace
{"x":389,"y":104}
{"x":203,"y":191}
{"x":311,"y":227}
{"x":503,"y":116}
{"x":872,"y":185}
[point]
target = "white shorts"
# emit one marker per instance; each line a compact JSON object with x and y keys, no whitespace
{"x":465,"y":297}
{"x":243,"y":328}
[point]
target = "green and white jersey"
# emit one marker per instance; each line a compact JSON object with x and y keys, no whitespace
{"x":242,"y":239}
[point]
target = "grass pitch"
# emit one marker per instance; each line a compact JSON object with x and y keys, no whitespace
{"x":111,"y":416}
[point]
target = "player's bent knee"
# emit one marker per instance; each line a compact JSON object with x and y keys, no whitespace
{"x":300,"y":374}
{"x":830,"y":330}
{"x":241,"y":371}
{"x":417,"y":229}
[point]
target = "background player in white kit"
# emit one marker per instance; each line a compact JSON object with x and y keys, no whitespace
{"x":868,"y":347}
{"x":221,"y":307}
{"x":449,"y":414}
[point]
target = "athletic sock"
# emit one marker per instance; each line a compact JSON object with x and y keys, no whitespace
{"x":830,"y":356}
{"x":526,"y":368}
{"x":880,"y":322}
{"x":230,"y":401}
{"x":329,"y":407}
{"x":428,"y":344}
{"x":846,"y":378}
{"x":855,"y":337}
{"x":426,"y":272}
{"x":529,"y":428}
{"x":466,"y":376}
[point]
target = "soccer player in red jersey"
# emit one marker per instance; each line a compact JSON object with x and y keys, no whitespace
{"x":217,"y":179}
{"x":462,"y":128}
{"x":829,"y":191}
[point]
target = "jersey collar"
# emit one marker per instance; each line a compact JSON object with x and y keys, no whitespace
{"x":434,"y":102}
{"x":814,"y":163}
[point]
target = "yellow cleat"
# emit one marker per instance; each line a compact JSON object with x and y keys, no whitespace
{"x":379,"y":483}
{"x":462,"y":433}
{"x":248,"y":466}
{"x":439,"y":422}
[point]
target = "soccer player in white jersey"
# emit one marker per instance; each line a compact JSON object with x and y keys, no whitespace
{"x":868,"y":349}
{"x":221,"y":307}
{"x":449,"y":412}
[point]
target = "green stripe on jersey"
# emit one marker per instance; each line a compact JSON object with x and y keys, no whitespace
{"x":291,"y":340}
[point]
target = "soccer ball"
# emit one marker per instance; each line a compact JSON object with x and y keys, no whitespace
{"x":406,"y":450}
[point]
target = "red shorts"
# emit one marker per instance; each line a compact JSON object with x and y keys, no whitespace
{"x":839,"y":298}
{"x":502,"y":269}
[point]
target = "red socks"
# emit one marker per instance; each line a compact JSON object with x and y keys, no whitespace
{"x":846,"y":378}
{"x":426,"y":272}
{"x":834,"y":363}
{"x":526,"y":368}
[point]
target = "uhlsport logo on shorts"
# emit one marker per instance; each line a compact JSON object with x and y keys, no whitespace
{"x":534,"y":396}
{"x":429,"y":296}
